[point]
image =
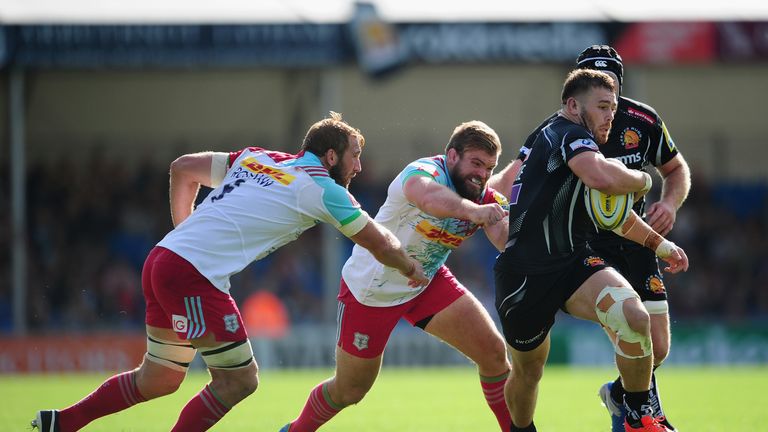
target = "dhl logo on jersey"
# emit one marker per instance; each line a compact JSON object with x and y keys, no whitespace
{"x":435,"y":234}
{"x":252,"y":165}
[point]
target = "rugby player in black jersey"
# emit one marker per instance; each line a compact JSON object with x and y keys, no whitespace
{"x":638,"y":138}
{"x":548,"y":265}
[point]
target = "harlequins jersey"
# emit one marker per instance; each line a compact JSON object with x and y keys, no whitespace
{"x":427,"y":238}
{"x":267,"y":199}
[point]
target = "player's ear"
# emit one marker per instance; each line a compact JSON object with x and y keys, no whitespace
{"x":452,"y":155}
{"x":572,"y":105}
{"x":331,"y":157}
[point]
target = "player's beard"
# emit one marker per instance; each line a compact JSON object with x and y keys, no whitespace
{"x":593,"y":128}
{"x":460,"y":183}
{"x":337,"y":174}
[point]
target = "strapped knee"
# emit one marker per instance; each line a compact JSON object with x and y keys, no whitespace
{"x":656,"y":307}
{"x":229,"y":355}
{"x":172,"y":354}
{"x":610,"y":311}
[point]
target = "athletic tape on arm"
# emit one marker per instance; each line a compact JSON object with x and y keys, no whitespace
{"x":218,"y":168}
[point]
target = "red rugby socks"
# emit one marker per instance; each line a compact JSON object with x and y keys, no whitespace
{"x":115,"y":394}
{"x":201,"y":412}
{"x":493,"y":390}
{"x":317,"y":411}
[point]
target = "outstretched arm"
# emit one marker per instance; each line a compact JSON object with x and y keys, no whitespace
{"x":439,"y":201}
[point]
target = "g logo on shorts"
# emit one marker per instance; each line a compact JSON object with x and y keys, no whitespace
{"x":179,"y":323}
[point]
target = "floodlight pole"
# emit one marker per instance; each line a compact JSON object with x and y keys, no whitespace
{"x":18,"y":200}
{"x":330,"y":99}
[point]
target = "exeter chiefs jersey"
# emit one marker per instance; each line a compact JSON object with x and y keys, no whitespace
{"x":267,"y":199}
{"x":427,"y":238}
{"x":638,"y":138}
{"x":548,"y":220}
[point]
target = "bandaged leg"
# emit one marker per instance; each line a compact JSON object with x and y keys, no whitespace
{"x":627,"y":342}
{"x":230,"y":355}
{"x":175,"y":355}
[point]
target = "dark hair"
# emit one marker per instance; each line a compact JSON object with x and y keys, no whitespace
{"x":580,"y":81}
{"x":602,"y":57}
{"x":474,"y":134}
{"x":330,"y":133}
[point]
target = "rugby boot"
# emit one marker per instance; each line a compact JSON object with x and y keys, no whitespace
{"x":647,"y":424}
{"x":616,"y":410}
{"x":46,"y":421}
{"x":663,"y":420}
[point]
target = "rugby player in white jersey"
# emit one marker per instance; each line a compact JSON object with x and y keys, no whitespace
{"x":261,"y":200}
{"x":432,"y":206}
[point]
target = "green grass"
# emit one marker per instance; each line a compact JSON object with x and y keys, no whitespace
{"x":437,"y":399}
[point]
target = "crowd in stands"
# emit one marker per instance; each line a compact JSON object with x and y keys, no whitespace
{"x":91,"y":223}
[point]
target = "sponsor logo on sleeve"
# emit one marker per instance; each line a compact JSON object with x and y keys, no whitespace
{"x":583,"y":143}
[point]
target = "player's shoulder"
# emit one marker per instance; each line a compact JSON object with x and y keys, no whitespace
{"x":639,"y":111}
{"x":433,"y":166}
{"x":567,"y":130}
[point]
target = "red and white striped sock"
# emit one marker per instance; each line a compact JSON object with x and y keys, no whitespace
{"x":115,"y":394}
{"x":317,"y":411}
{"x":201,"y":412}
{"x":493,"y":390}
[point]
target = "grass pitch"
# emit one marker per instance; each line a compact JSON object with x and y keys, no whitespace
{"x":428,"y":399}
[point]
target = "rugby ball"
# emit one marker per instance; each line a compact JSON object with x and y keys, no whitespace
{"x":608,"y":212}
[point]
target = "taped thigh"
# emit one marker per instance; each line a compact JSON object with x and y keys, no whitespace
{"x":609,"y":307}
{"x":656,"y":307}
{"x":229,"y":355}
{"x":172,"y":354}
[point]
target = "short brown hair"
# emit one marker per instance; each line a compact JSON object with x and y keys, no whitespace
{"x":474,"y":135}
{"x":580,"y":81}
{"x":330,"y":133}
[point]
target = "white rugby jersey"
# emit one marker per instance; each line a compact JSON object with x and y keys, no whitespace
{"x":267,"y":199}
{"x":427,"y":238}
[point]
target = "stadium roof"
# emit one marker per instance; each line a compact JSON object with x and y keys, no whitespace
{"x":400,"y":11}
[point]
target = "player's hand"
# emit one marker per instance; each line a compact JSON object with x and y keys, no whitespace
{"x":661,"y":217}
{"x":416,"y":277}
{"x":489,"y":214}
{"x":676,"y":258}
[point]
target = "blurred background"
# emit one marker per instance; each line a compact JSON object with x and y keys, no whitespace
{"x":97,"y":100}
